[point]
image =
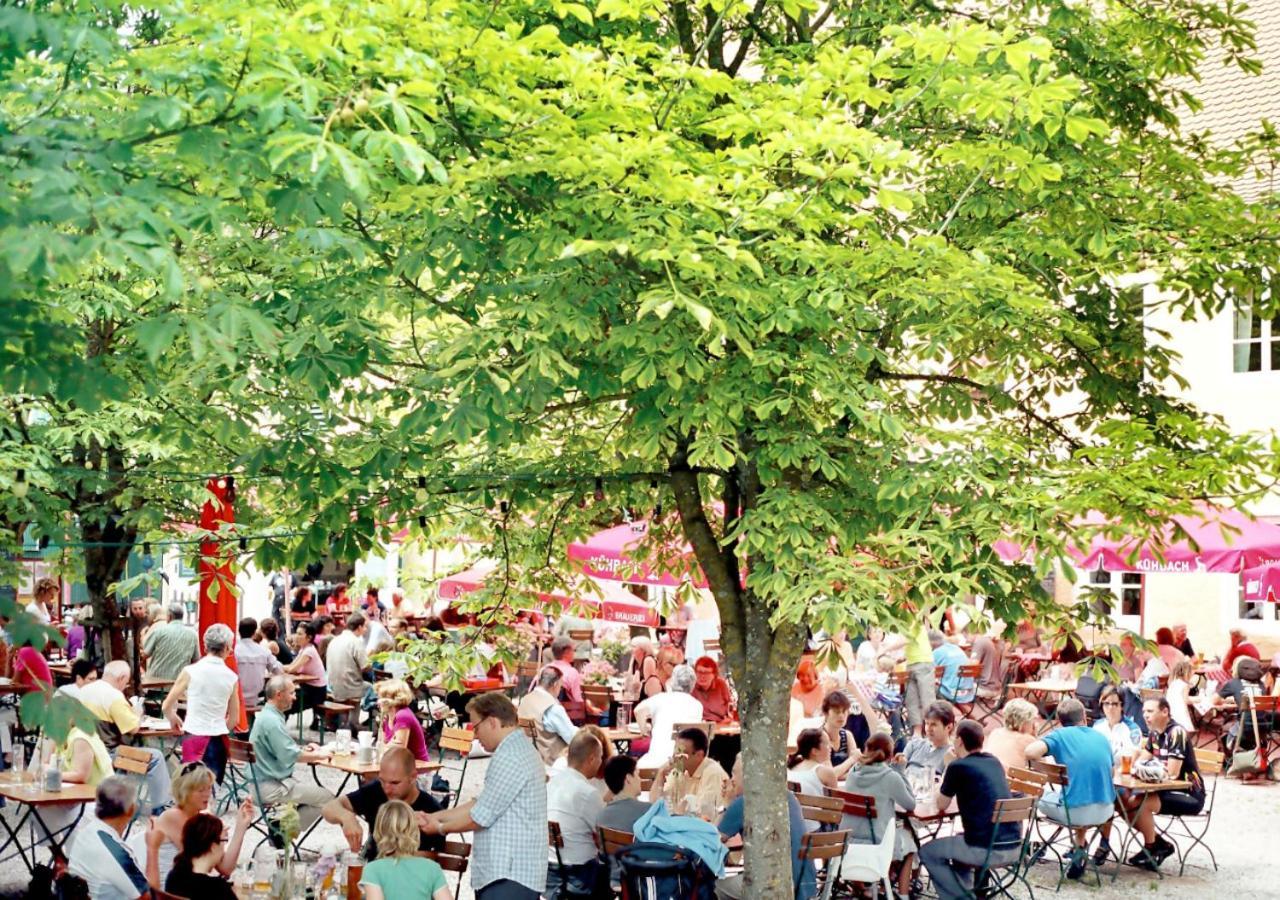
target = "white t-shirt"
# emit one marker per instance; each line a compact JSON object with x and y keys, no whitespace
{"x":1176,"y":694}
{"x":668,"y":709}
{"x":211,"y":685}
{"x":575,"y":804}
{"x":41,"y":614}
{"x":107,"y":864}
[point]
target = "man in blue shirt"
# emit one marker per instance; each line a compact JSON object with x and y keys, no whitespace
{"x":1089,"y":799}
{"x":950,"y":658}
{"x":731,"y":823}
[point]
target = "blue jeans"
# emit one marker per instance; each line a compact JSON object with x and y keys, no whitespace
{"x":159,"y":790}
{"x":580,"y":880}
{"x":947,"y":858}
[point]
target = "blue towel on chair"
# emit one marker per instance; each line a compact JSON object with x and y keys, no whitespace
{"x":687,"y":832}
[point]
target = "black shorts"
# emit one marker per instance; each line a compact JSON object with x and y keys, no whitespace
{"x":1180,"y":803}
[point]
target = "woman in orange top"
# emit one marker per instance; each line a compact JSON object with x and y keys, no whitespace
{"x":807,"y":687}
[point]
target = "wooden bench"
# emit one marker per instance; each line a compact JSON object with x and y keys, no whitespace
{"x":328,"y":710}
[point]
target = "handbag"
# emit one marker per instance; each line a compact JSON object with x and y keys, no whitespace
{"x":1249,"y":761}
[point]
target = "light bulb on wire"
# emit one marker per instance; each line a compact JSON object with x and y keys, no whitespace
{"x":20,"y":485}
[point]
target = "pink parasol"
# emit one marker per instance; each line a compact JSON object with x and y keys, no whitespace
{"x":1261,"y":583}
{"x":607,"y":601}
{"x":1214,"y":540}
{"x":615,"y":554}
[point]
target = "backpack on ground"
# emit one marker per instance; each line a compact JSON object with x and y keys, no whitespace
{"x":661,"y":872}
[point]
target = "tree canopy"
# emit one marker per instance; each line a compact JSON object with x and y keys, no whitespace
{"x":845,"y":289}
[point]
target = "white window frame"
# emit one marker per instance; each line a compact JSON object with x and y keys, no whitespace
{"x":1115,"y":584}
{"x":1268,"y":339}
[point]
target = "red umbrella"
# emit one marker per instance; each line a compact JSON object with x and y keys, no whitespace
{"x":607,"y":601}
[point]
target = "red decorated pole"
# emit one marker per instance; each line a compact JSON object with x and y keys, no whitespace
{"x":217,"y":577}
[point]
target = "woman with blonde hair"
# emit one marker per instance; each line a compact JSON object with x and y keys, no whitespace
{"x":1008,"y":743}
{"x":399,"y":725}
{"x":192,"y":790}
{"x":399,"y":873}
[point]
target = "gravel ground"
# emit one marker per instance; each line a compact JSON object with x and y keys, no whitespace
{"x":1246,"y":820}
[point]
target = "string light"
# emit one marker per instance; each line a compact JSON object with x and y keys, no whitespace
{"x":421,"y":494}
{"x":599,"y":492}
{"x":20,"y":485}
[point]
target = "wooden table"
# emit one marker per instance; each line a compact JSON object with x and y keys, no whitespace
{"x":927,"y":818}
{"x":34,"y":800}
{"x":350,"y":766}
{"x":1138,"y":786}
{"x":7,"y":686}
{"x":1039,"y":692}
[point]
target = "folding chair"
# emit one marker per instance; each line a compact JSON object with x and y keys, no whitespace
{"x":242,"y":781}
{"x":967,"y":688}
{"x":611,"y":840}
{"x":826,"y":811}
{"x":1196,"y":827}
{"x":646,"y":777}
{"x":987,"y":883}
{"x":1056,"y":775}
{"x":987,"y":708}
{"x":459,"y":741}
{"x":133,"y":764}
{"x":599,"y":696}
{"x":866,"y":863}
{"x":711,"y":646}
{"x":556,"y":841}
{"x":821,"y":846}
{"x":455,"y":857}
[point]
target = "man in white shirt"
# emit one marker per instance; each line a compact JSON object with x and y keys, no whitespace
{"x":674,"y":706}
{"x":99,"y":854}
{"x":346,"y":664}
{"x":254,"y":662}
{"x":575,"y":804}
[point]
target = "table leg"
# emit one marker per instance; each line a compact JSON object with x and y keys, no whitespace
{"x":1130,"y":831}
{"x":15,"y":836}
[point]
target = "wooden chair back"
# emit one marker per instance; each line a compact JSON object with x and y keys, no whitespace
{"x":646,"y":778}
{"x":1013,"y":809}
{"x":901,"y":679}
{"x":1209,"y":762}
{"x":133,"y":760}
{"x":707,"y":728}
{"x":711,"y":645}
{"x":970,"y":670}
{"x":823,"y":845}
{"x":860,"y":806}
{"x":554,"y":837}
{"x":823,"y":810}
{"x":456,"y":739}
{"x":455,"y":856}
{"x":581,"y":635}
{"x":527,"y":668}
{"x":611,"y":840}
{"x":1054,"y":774}
{"x":240,"y":752}
{"x":598,"y":695}
{"x":1151,"y":694}
{"x":938,"y":672}
{"x":1027,"y":782}
{"x":530,"y":728}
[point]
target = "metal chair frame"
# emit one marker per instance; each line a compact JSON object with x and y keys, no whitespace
{"x":1021,"y":809}
{"x":1196,"y":827}
{"x":821,"y":845}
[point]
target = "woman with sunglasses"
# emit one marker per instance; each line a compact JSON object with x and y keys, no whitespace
{"x":192,"y":790}
{"x":1123,"y":733}
{"x":197,"y":870}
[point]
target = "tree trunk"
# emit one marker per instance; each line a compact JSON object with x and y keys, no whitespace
{"x":103,"y":567}
{"x":764,"y":703}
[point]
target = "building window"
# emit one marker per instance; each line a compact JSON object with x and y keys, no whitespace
{"x":1255,"y":342}
{"x":1253,"y":611}
{"x":1115,"y":594}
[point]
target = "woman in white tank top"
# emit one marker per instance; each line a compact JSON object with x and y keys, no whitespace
{"x":209,"y":687}
{"x":810,"y":766}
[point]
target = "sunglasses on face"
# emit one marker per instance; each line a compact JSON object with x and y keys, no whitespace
{"x":1110,"y":703}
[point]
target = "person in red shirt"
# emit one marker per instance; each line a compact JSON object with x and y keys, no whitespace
{"x":31,"y":670}
{"x":1240,"y":646}
{"x":338,"y":601}
{"x":711,"y":690}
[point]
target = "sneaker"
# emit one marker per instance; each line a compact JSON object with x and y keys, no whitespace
{"x":1075,"y":871}
{"x":1102,"y":853}
{"x":1162,"y":850}
{"x":1143,"y":860}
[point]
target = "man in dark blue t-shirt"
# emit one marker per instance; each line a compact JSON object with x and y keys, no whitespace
{"x":976,"y":781}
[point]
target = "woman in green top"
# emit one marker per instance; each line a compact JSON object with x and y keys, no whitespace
{"x":399,"y":873}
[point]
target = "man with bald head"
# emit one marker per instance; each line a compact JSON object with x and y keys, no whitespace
{"x":397,"y":780}
{"x":118,"y":723}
